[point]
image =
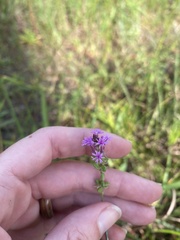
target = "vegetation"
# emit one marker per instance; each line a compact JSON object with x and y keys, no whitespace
{"x":110,"y":64}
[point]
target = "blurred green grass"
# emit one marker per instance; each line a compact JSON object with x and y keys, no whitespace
{"x":108,"y":64}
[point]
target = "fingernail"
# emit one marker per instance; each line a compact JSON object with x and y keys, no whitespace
{"x":108,"y":217}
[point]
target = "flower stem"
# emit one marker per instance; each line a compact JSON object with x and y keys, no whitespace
{"x":102,"y":181}
{"x":102,"y":194}
{"x":97,"y":143}
{"x":106,"y":234}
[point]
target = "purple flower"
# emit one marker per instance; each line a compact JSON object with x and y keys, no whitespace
{"x":87,"y":141}
{"x":97,"y":131}
{"x":97,"y":157}
{"x":103,"y":140}
{"x":97,"y":144}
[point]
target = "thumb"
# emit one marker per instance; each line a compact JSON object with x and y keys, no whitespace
{"x":90,"y":222}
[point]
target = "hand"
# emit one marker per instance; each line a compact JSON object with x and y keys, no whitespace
{"x":27,"y":174}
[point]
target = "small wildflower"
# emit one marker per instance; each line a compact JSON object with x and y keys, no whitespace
{"x":87,"y":141}
{"x":97,"y":144}
{"x":97,"y":157}
{"x":103,"y":140}
{"x":97,"y":131}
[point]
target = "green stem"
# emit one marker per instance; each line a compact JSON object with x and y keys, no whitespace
{"x":102,"y":183}
{"x":102,"y":176}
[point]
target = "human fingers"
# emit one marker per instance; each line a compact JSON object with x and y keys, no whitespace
{"x":63,"y":178}
{"x":116,"y":233}
{"x":41,"y":228}
{"x":132,"y":212}
{"x":29,"y":156}
{"x":87,"y":223}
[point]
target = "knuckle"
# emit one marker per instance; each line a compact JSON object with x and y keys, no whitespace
{"x":77,"y":234}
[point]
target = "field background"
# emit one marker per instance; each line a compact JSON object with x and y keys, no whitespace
{"x":111,"y":64}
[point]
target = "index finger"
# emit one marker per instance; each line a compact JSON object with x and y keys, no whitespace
{"x":31,"y":155}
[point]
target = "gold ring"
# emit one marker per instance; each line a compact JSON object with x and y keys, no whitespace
{"x":46,"y":210}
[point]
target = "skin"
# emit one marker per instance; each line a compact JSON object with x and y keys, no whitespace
{"x":28,"y":174}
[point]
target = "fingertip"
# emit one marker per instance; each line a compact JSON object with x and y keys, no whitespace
{"x":157,"y":192}
{"x":150,"y":216}
{"x":117,"y":232}
{"x":108,"y":217}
